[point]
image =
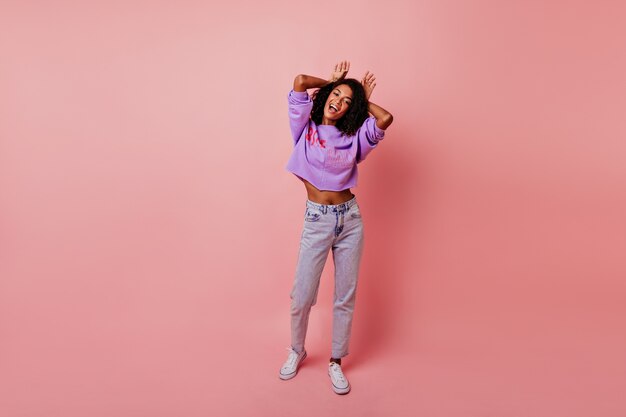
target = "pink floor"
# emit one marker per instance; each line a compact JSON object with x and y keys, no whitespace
{"x":71,"y":360}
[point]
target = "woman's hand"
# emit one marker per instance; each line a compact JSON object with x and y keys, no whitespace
{"x":383,"y":117}
{"x":368,"y":84}
{"x":340,"y":72}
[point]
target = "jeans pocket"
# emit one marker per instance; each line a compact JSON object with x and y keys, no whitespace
{"x":312,"y":215}
{"x":355,"y":213}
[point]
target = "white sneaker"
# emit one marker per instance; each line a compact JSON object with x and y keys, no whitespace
{"x":338,"y":379}
{"x":291,"y":365}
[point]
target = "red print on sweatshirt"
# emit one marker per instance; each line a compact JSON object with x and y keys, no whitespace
{"x":313,"y":138}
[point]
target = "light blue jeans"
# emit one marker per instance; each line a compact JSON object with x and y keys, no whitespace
{"x":327,"y":227}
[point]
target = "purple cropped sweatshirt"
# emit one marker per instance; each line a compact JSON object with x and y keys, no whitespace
{"x":322,"y":155}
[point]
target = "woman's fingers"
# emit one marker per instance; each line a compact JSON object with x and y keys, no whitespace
{"x":368,"y":83}
{"x":341,"y":68}
{"x":368,"y":78}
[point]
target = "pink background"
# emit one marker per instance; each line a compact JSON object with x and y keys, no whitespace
{"x":149,"y":231}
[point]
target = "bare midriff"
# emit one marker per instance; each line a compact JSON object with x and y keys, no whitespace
{"x":325,"y":196}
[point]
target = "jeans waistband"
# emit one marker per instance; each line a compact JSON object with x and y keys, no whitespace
{"x":333,"y":208}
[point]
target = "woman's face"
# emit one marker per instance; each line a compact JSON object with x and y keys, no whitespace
{"x":338,"y":103}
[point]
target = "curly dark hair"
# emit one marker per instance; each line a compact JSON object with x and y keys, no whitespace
{"x":356,"y":114}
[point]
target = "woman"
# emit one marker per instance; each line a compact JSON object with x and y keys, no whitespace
{"x":332,"y":133}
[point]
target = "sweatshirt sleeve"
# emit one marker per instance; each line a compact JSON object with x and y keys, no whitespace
{"x":368,"y":137}
{"x":300,"y":105}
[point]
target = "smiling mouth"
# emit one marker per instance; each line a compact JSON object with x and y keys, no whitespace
{"x":332,"y":108}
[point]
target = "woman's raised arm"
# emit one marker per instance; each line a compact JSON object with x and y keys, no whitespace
{"x":383,"y":117}
{"x":302,"y":82}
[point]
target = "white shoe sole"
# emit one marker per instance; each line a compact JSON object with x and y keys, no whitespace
{"x":294,"y":373}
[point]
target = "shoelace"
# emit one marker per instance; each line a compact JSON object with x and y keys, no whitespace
{"x":292,"y":358}
{"x":336,"y":370}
